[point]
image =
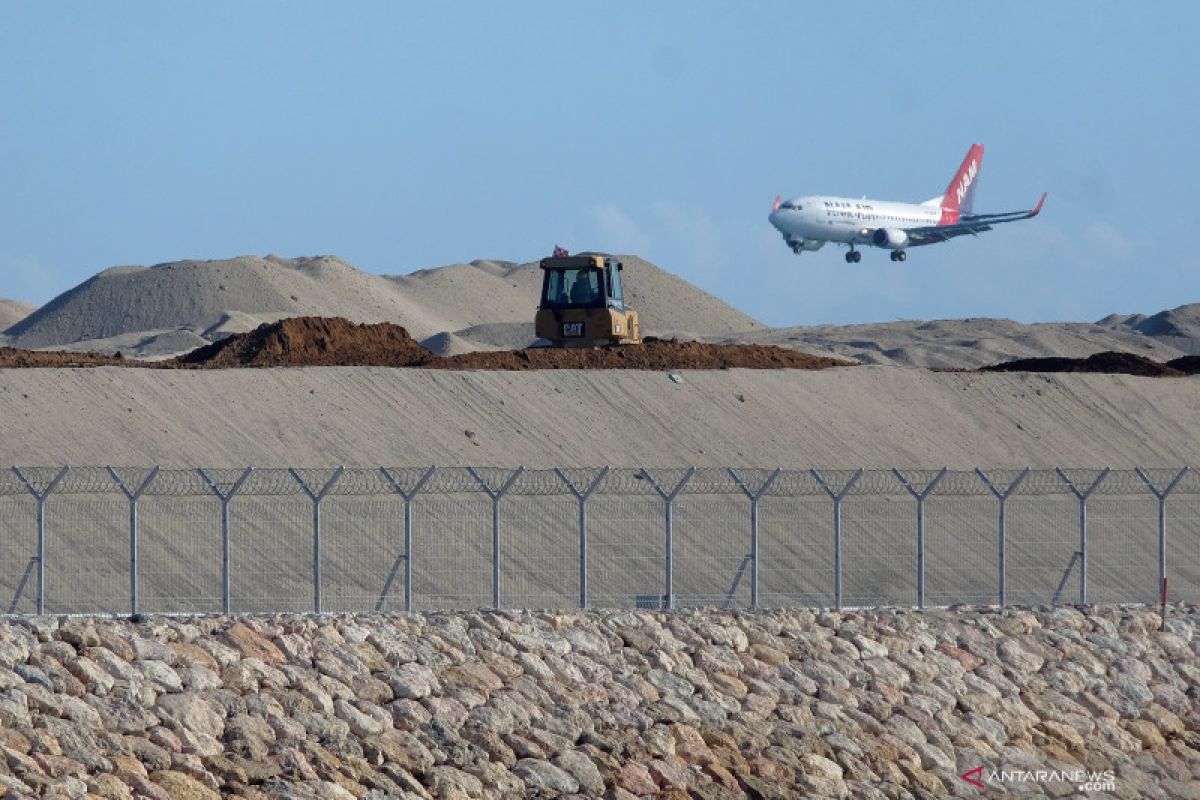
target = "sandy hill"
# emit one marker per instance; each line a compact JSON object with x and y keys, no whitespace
{"x":977,"y":342}
{"x":205,"y":297}
{"x":13,"y":311}
{"x":146,"y":311}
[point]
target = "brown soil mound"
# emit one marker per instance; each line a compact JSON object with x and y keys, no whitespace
{"x":333,"y":341}
{"x":1108,"y":362}
{"x":654,"y":354}
{"x":313,"y":342}
{"x":11,"y":357}
{"x":1188,"y":365}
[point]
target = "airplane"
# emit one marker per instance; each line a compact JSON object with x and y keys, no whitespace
{"x":807,"y":223}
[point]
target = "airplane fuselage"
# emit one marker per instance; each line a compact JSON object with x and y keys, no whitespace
{"x":808,"y":222}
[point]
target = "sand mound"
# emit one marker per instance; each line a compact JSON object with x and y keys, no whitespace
{"x":451,"y":344}
{"x":13,"y":311}
{"x":655,"y":355}
{"x":1108,"y":362}
{"x":313,"y":341}
{"x":1182,"y":322}
{"x":971,"y":343}
{"x":201,"y":295}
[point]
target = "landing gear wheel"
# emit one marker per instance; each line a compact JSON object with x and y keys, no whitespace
{"x":857,"y":256}
{"x":901,"y":255}
{"x":850,"y":257}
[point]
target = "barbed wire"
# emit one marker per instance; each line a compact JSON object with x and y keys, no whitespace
{"x":632,"y":481}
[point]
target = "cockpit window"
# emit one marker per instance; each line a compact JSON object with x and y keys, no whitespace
{"x":791,"y":206}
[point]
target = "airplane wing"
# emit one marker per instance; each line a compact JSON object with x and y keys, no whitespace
{"x":973,"y":224}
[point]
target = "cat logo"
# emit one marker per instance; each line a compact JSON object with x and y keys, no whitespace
{"x":573,"y":329}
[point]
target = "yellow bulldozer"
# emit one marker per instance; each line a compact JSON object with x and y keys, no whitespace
{"x":583,"y":304}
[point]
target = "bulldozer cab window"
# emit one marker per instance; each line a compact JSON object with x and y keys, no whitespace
{"x":572,"y":287}
{"x":615,"y":295}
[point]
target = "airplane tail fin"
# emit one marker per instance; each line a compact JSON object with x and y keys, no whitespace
{"x":960,"y":194}
{"x":778,"y":202}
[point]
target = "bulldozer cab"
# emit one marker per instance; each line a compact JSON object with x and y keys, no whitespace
{"x":583,"y":303}
{"x":590,"y":281}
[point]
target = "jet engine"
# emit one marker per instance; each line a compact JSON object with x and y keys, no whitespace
{"x":805,"y":244}
{"x":889,"y":237}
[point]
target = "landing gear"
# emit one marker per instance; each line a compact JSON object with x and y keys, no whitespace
{"x":899,"y":255}
{"x":853,"y":257}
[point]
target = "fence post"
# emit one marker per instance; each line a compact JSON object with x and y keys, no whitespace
{"x":133,"y":497}
{"x":837,"y":497}
{"x":496,"y":495}
{"x":40,"y":497}
{"x":582,"y":496}
{"x":1162,"y":494}
{"x":317,"y":497}
{"x":920,"y":495}
{"x":754,"y":551}
{"x":225,"y":497}
{"x":1083,"y":498}
{"x":1002,"y":496}
{"x":668,"y":545}
{"x":408,"y":498}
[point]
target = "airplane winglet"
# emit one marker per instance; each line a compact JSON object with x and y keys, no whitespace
{"x":778,"y":202}
{"x":1037,"y":209}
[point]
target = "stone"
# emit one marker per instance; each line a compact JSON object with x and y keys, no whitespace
{"x":582,"y":769}
{"x":191,"y":711}
{"x":539,"y":774}
{"x":250,"y":644}
{"x":411,"y":681}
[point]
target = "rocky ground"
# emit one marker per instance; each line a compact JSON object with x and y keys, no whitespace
{"x":620,"y":704}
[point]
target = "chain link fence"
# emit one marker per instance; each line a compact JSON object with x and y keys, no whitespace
{"x":137,"y":539}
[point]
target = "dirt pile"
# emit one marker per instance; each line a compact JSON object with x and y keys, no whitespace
{"x":321,"y":341}
{"x":1107,"y":362}
{"x":653,"y":355}
{"x":11,"y":357}
{"x":313,"y":342}
{"x":1188,"y":365}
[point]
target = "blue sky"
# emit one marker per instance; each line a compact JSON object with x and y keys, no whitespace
{"x":401,"y":136}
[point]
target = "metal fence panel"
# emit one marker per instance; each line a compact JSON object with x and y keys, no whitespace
{"x":879,"y":544}
{"x":18,"y":554}
{"x":539,"y":551}
{"x":179,"y":564}
{"x":962,"y":550}
{"x":87,"y":554}
{"x":1123,"y":549}
{"x":452,"y":558}
{"x":796,"y":551}
{"x":362,"y":545}
{"x":1183,"y":545}
{"x":271,"y":553}
{"x":712,"y":551}
{"x":1043,"y":544}
{"x":626,"y":550}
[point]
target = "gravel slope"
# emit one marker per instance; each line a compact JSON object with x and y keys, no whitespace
{"x":777,"y":704}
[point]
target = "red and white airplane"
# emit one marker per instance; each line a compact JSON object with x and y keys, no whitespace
{"x":807,"y":223}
